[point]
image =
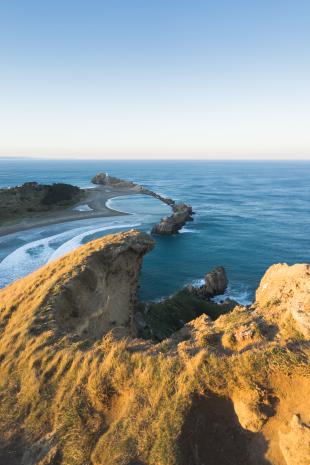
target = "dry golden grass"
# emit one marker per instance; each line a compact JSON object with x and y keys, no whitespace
{"x":112,"y":400}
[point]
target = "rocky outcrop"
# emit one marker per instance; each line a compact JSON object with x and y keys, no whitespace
{"x":216,"y":283}
{"x":285,"y":291}
{"x":77,"y":388}
{"x":165,"y":200}
{"x":181,"y":213}
{"x":172,"y":224}
{"x":105,"y":180}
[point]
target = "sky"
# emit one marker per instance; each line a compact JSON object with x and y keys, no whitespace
{"x":155,"y":78}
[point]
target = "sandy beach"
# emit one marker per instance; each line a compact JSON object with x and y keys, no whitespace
{"x":95,"y":199}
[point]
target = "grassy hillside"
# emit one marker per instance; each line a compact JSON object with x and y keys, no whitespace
{"x":231,"y":391}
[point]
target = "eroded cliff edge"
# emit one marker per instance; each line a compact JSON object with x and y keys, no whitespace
{"x":77,"y":388}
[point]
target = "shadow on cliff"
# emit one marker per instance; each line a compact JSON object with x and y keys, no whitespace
{"x":212,"y":435}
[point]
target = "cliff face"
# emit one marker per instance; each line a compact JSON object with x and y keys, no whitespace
{"x":84,"y":294}
{"x":77,"y":389}
{"x":286,"y":290}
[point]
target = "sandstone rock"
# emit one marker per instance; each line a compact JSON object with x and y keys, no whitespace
{"x":216,"y":282}
{"x":87,"y":292}
{"x":295,"y":445}
{"x":286,"y":288}
{"x":248,"y":410}
{"x":73,"y":393}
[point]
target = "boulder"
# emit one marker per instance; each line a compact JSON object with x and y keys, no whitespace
{"x":295,"y":445}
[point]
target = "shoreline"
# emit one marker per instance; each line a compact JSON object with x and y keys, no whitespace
{"x":95,"y":198}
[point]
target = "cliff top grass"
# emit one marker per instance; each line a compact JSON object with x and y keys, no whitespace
{"x":118,"y":400}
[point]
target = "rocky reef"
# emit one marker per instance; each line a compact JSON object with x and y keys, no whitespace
{"x":181,"y":213}
{"x":31,"y":198}
{"x":78,"y":387}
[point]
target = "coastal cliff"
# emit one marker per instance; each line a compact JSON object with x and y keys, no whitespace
{"x":78,"y":388}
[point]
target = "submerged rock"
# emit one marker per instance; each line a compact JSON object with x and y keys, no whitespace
{"x":78,"y":387}
{"x":216,"y":282}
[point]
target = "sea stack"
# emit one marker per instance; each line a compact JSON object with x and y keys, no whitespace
{"x":216,"y":283}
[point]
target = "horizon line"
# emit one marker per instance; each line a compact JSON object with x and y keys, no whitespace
{"x":29,"y":157}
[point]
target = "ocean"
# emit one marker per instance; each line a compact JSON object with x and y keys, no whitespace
{"x":249,"y":215}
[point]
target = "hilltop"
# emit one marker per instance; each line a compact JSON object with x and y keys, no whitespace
{"x":78,"y":387}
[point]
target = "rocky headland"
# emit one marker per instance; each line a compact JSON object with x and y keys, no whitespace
{"x":181,"y":213}
{"x":32,"y":204}
{"x":79,"y":386}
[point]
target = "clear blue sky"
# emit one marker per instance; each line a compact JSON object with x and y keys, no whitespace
{"x":166,"y":78}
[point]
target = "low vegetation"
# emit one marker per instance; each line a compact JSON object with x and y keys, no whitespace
{"x":32,"y":198}
{"x":74,"y":393}
{"x":165,"y":317}
{"x":60,"y":193}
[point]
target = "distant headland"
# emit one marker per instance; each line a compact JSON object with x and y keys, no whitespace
{"x":32,"y":204}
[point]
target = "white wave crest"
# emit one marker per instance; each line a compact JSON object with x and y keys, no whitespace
{"x":187,"y":230}
{"x":76,"y":241}
{"x":29,"y":257}
{"x":242,"y":295}
{"x":83,"y":208}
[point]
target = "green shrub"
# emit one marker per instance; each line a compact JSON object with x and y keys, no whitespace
{"x":60,"y":192}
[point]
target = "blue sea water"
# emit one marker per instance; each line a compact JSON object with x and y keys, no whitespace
{"x":249,"y":215}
